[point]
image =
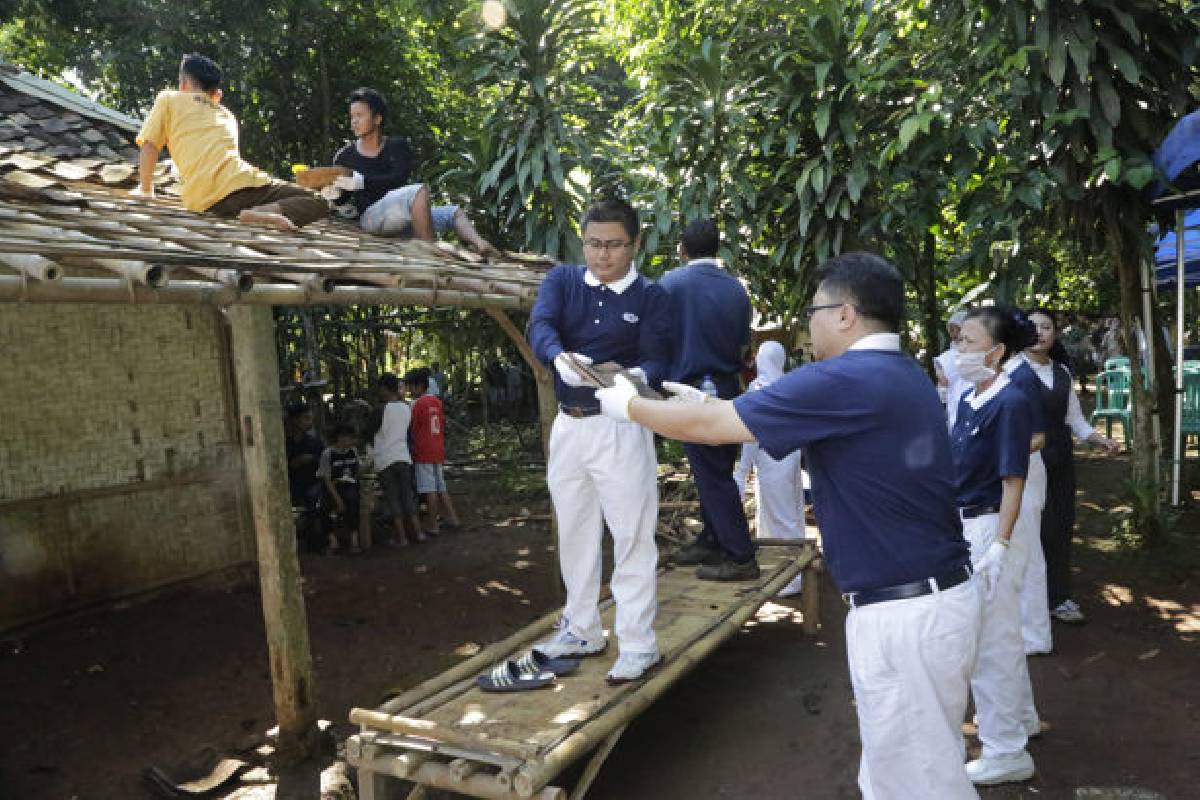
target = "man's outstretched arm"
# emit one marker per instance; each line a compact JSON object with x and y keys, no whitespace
{"x":691,"y":417}
{"x":147,"y":163}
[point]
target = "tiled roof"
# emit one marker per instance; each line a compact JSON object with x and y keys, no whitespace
{"x":70,"y":231}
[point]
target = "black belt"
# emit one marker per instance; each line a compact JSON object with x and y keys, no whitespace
{"x":578,"y":411}
{"x":906,"y":590}
{"x":971,"y":512}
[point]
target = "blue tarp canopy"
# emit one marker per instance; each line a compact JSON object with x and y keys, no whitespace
{"x":1176,"y":159}
{"x":1165,"y":267}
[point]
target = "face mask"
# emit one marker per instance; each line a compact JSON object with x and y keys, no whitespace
{"x":971,"y":366}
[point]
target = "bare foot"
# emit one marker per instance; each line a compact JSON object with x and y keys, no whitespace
{"x":267,"y":218}
{"x":486,"y":249}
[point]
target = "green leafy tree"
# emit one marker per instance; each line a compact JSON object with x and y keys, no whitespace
{"x":544,"y":121}
{"x":1093,"y":86}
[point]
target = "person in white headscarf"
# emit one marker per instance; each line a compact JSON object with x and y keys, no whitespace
{"x":780,"y":493}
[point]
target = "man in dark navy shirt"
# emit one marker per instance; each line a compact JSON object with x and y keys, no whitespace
{"x":872,"y":428}
{"x":712,"y":332}
{"x":600,"y":470}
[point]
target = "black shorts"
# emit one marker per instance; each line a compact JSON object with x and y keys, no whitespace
{"x":396,"y":481}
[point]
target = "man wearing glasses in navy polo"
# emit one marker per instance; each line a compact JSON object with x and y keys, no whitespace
{"x":601,"y":470}
{"x":873,"y":432}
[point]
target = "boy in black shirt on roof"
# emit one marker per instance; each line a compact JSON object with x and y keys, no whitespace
{"x":375,"y":172}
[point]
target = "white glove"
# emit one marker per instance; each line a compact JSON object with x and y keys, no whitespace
{"x":991,"y":564}
{"x":569,"y":376}
{"x":682,"y":393}
{"x":350,"y":183}
{"x":614,"y":401}
{"x":638,"y":373}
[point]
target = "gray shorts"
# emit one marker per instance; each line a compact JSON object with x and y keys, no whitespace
{"x":430,"y":478}
{"x":391,"y":215}
{"x":397,"y":484}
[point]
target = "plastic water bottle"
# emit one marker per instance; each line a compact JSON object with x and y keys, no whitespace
{"x":708,"y":387}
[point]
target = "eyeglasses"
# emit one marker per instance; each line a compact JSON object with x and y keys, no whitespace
{"x":807,"y":312}
{"x":612,"y":244}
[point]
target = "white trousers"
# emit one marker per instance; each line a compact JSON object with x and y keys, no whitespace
{"x":1000,"y":682}
{"x":602,"y":471}
{"x":1035,"y":607}
{"x":910,"y":664}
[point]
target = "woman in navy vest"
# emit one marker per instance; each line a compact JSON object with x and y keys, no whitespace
{"x":990,"y":443}
{"x":1064,"y":417}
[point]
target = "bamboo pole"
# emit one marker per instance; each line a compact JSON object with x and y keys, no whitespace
{"x":151,"y":275}
{"x":242,"y":281}
{"x":111,"y":290}
{"x":810,"y":598}
{"x":479,"y":784}
{"x":35,"y":266}
{"x":262,"y":444}
{"x":535,"y":775}
{"x":427,"y":729}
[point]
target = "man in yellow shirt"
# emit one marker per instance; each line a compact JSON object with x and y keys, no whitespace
{"x":202,"y":136}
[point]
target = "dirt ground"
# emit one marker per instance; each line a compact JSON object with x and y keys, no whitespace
{"x":89,"y":702}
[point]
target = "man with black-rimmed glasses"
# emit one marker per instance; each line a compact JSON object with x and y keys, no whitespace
{"x":600,"y":470}
{"x":878,"y":453}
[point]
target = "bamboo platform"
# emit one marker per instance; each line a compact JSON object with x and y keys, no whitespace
{"x":449,"y":735}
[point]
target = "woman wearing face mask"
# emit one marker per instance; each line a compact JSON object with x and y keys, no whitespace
{"x":780,"y":498}
{"x":1049,"y":593}
{"x":990,"y":442}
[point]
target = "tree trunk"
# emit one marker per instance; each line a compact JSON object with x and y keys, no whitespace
{"x":926,"y":267}
{"x":1125,"y":253}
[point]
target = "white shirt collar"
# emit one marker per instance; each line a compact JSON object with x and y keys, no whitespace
{"x":878,"y":341}
{"x":617,"y":286}
{"x":978,"y":401}
{"x":1011,"y":365}
{"x":695,"y":262}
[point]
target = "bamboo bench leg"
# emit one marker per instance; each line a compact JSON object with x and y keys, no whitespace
{"x":372,"y":785}
{"x":810,"y":600}
{"x":595,"y":763}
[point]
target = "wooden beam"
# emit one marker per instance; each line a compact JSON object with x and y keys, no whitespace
{"x":264,"y":459}
{"x":547,"y":402}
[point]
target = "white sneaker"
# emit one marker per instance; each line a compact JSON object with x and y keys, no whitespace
{"x":1068,"y":611}
{"x":631,"y":666}
{"x":1001,"y":769}
{"x":564,"y":644}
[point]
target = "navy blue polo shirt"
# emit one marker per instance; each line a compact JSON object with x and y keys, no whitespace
{"x":628,"y":322}
{"x":712,"y":321}
{"x":990,"y":442}
{"x":874,"y":434}
{"x":1025,"y":379}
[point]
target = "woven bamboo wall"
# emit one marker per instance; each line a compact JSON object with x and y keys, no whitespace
{"x":118,"y":469}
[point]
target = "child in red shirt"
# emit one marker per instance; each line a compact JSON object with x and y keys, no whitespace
{"x":428,"y":437}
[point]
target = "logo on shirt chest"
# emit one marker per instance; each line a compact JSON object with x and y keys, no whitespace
{"x":630,"y":317}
